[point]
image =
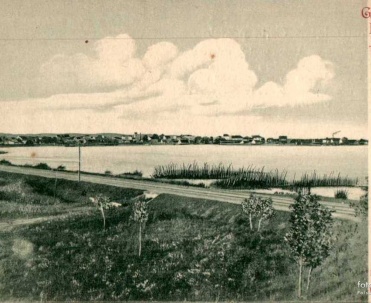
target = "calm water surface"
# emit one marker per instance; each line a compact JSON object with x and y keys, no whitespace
{"x":348,"y":160}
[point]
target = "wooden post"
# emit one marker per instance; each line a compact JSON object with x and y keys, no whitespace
{"x":79,"y":174}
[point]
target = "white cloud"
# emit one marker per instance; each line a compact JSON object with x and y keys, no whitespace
{"x":113,"y":65}
{"x":159,"y":54}
{"x":211,"y":82}
{"x":214,"y":72}
{"x":312,"y":73}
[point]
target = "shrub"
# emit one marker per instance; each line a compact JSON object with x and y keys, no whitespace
{"x":136,"y":173}
{"x":42,"y":166}
{"x":5,"y":162}
{"x":341,"y":194}
{"x":258,"y":208}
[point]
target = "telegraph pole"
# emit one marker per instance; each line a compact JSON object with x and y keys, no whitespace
{"x":79,"y":174}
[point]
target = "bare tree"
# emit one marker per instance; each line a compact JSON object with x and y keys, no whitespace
{"x":140,"y":215}
{"x":102,"y":203}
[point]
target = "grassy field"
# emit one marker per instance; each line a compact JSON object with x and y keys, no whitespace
{"x":193,"y":249}
{"x":30,"y":196}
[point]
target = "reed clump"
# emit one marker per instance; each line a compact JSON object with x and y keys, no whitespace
{"x":254,"y":178}
{"x":341,"y":194}
{"x":195,"y":171}
{"x":248,"y":178}
{"x":314,"y":180}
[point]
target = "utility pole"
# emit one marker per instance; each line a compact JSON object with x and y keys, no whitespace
{"x":79,"y":174}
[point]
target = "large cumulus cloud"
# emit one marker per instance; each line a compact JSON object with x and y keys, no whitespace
{"x":302,"y":85}
{"x":211,"y":81}
{"x":211,"y":78}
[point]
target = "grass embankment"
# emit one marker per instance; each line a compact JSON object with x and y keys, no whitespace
{"x":23,"y":196}
{"x":192,"y":249}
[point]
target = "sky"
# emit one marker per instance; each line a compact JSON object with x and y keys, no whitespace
{"x":175,"y":67}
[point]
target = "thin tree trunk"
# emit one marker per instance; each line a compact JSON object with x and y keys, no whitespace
{"x":250,"y":222}
{"x":300,"y":274}
{"x":104,"y":218}
{"x":140,"y":239}
{"x":309,"y":276}
{"x":260,"y":220}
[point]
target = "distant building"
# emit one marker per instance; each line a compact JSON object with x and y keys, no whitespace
{"x":256,"y":139}
{"x":326,"y":141}
{"x":137,"y":138}
{"x":237,"y":139}
{"x":335,"y":141}
{"x":282,"y":139}
{"x":247,"y":140}
{"x":352,"y":142}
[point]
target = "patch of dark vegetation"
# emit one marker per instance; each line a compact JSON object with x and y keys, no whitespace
{"x":5,"y":162}
{"x":185,"y":183}
{"x":42,"y":166}
{"x":135,"y":173}
{"x":341,"y":194}
{"x":193,"y":249}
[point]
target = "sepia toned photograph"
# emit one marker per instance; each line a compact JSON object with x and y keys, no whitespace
{"x":184,"y":150}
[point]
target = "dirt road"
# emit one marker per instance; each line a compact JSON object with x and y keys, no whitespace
{"x":230,"y":196}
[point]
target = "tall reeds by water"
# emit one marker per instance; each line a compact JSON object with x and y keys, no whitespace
{"x":331,"y":180}
{"x":250,"y":177}
{"x":195,"y":171}
{"x":254,"y":178}
{"x":226,"y":176}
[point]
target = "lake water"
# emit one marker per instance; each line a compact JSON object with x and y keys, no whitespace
{"x":349,"y":161}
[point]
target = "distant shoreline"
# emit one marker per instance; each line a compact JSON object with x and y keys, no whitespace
{"x":162,"y":144}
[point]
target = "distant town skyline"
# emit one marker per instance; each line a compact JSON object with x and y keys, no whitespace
{"x":177,"y":67}
{"x":24,"y":139}
{"x":336,"y":134}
